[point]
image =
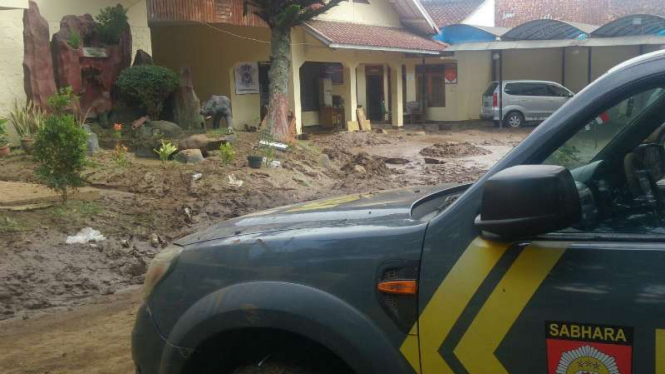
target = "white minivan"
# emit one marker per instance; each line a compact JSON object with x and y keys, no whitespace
{"x":523,"y":101}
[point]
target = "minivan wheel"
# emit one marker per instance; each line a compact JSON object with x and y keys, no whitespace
{"x":514,"y":120}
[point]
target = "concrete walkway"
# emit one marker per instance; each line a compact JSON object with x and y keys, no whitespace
{"x":24,"y":196}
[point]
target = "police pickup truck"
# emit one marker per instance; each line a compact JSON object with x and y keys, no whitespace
{"x":553,"y":262}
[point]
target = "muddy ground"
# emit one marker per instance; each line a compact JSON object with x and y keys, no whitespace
{"x":69,"y":308}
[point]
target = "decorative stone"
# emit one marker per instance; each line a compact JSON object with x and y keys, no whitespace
{"x":166,"y":129}
{"x":93,"y":141}
{"x":37,"y":61}
{"x":186,"y":105}
{"x":142,"y":58}
{"x":324,"y":161}
{"x":189,"y":156}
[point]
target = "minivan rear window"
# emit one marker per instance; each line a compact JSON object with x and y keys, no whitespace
{"x":490,"y":90}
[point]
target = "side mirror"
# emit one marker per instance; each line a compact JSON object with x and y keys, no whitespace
{"x":528,"y":200}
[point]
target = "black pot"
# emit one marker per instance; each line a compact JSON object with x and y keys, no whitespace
{"x":255,"y":162}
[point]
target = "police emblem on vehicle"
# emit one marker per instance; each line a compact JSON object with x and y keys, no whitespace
{"x":574,"y":348}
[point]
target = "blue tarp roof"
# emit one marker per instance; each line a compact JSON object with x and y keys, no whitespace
{"x":456,"y":34}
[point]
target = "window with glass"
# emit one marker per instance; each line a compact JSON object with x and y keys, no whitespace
{"x":435,"y":84}
{"x":618,"y":162}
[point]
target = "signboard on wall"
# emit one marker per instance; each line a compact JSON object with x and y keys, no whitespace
{"x":247,"y":78}
{"x":450,"y":74}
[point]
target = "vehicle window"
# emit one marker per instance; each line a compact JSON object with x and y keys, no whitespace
{"x":620,"y":174}
{"x":490,"y":90}
{"x":513,"y":89}
{"x":526,"y":89}
{"x":557,"y":91}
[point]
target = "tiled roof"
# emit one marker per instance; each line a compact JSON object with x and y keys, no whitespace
{"x":445,"y":13}
{"x":511,"y":13}
{"x":346,"y":34}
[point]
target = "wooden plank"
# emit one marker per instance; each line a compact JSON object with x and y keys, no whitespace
{"x":362,"y":120}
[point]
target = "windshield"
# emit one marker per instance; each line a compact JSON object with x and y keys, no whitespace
{"x":587,"y":144}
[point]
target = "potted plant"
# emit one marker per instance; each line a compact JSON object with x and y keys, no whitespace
{"x":4,"y":141}
{"x":27,"y":120}
{"x":255,"y":161}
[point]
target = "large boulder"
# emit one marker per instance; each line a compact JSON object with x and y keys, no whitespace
{"x":37,"y":61}
{"x":92,"y":68}
{"x":186,"y":105}
{"x":163,"y":129}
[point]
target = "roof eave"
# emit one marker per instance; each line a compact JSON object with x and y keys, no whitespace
{"x":383,"y":49}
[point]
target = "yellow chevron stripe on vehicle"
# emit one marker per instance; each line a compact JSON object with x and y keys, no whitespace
{"x":411,"y":351}
{"x":660,"y":351}
{"x":449,"y":301}
{"x":476,"y":349}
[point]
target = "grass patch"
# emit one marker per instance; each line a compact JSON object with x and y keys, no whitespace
{"x":79,"y":209}
{"x":9,"y":224}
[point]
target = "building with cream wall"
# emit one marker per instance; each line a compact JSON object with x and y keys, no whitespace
{"x":11,"y":36}
{"x":213,"y":44}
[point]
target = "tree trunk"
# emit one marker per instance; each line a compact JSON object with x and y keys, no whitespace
{"x":278,"y":107}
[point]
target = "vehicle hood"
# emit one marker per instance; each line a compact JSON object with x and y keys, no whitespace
{"x":392,"y":206}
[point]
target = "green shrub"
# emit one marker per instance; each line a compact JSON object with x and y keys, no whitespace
{"x":60,"y":150}
{"x":149,"y":86}
{"x":74,"y":39}
{"x":227,"y":153}
{"x":63,"y":101}
{"x":111,"y":23}
{"x":4,"y":140}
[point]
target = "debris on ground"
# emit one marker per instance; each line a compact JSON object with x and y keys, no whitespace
{"x":278,"y":146}
{"x":233,"y":182}
{"x":433,"y":161}
{"x":86,"y":235}
{"x":454,"y":150}
{"x":368,"y":164}
{"x":396,"y":161}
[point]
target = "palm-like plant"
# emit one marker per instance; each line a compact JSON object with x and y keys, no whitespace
{"x":27,"y":119}
{"x":281,"y":16}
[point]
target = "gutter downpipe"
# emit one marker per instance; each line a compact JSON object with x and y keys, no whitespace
{"x":500,"y":89}
{"x":423,"y":110}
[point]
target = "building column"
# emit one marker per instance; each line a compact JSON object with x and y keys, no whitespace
{"x":294,"y":91}
{"x":351,"y":106}
{"x":397,"y":96}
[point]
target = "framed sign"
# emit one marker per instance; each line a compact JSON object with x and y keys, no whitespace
{"x":247,"y":78}
{"x":451,"y":74}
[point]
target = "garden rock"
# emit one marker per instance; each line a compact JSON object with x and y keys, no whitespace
{"x":37,"y":62}
{"x":186,"y":105}
{"x":189,"y":156}
{"x":166,"y":129}
{"x":142,"y":58}
{"x":93,"y":140}
{"x":324,"y":161}
{"x":200,"y":142}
